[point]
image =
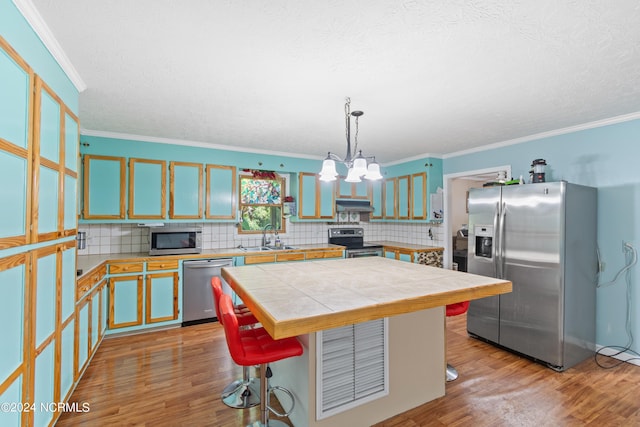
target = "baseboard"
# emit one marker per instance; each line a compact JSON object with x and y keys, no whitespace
{"x":628,"y":357}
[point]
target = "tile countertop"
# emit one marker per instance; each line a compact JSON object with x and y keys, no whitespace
{"x":407,"y":246}
{"x":291,"y":299}
{"x":88,"y":263}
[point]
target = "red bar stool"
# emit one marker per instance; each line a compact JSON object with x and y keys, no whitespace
{"x":256,"y":347}
{"x":455,"y":310}
{"x":242,"y":393}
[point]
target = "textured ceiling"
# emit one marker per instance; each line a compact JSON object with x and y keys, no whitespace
{"x":431,"y":76}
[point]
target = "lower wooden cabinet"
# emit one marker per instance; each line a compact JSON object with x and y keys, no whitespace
{"x":146,"y":299}
{"x":90,"y":326}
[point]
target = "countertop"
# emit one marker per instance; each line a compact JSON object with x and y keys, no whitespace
{"x":407,"y":246}
{"x":88,"y":263}
{"x":291,"y":299}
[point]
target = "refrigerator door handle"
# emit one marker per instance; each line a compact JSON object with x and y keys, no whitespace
{"x":503,"y":215}
{"x":496,"y":237}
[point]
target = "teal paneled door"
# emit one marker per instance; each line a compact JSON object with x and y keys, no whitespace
{"x":308,"y":197}
{"x":125,"y":301}
{"x":375,"y":195}
{"x":419,"y":195}
{"x":161,"y":297}
{"x":104,"y":187}
{"x":185,"y":190}
{"x":390,"y":199}
{"x":12,"y":312}
{"x":16,"y":82}
{"x":404,"y":201}
{"x":147,"y":189}
{"x":221,"y":192}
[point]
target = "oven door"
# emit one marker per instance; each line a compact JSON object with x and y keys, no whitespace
{"x":359,"y":253}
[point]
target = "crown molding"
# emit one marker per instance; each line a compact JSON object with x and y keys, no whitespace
{"x":33,"y":17}
{"x":563,"y":131}
{"x":116,"y":135}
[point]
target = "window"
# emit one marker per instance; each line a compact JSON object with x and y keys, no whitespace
{"x":261,"y":202}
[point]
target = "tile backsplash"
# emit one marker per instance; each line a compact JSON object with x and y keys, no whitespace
{"x":131,"y":238}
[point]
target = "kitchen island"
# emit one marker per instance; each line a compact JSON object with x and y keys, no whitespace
{"x":302,"y":299}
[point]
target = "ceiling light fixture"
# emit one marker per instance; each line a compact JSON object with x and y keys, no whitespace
{"x":357,"y":165}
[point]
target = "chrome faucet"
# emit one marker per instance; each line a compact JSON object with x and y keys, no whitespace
{"x":266,"y":241}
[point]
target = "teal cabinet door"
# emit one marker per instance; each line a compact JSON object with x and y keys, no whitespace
{"x":68,"y":288}
{"x":13,"y":210}
{"x":390,"y":200}
{"x":70,"y":221}
{"x":16,"y":85}
{"x":46,"y":218}
{"x":49,"y":137}
{"x":82,"y":333}
{"x":66,"y":360}
{"x":71,"y":142}
{"x":405,"y":257}
{"x":104,"y":308}
{"x":185,"y":190}
{"x":125,"y":301}
{"x":104,"y":183}
{"x":221,"y":192}
{"x":327,"y":200}
{"x":351,"y":190}
{"x":404,"y":201}
{"x":147,"y":188}
{"x":317,"y":199}
{"x":161,"y":295}
{"x":375,"y":195}
{"x":308,"y":196}
{"x":16,"y":80}
{"x":12,"y":312}
{"x":45,"y":309}
{"x":44,"y":385}
{"x":94,"y":328}
{"x":390,"y":254}
{"x":419,"y":195}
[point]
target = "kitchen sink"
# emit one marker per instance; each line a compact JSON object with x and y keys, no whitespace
{"x":267,"y":248}
{"x":256,"y":249}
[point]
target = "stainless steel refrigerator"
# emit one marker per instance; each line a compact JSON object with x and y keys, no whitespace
{"x":541,"y":237}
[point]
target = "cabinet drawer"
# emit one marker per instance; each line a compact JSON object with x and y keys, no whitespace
{"x":125,"y":267}
{"x":290,"y":257}
{"x":85,"y":284}
{"x":168,"y":264}
{"x":325,"y":254}
{"x":259,"y":259}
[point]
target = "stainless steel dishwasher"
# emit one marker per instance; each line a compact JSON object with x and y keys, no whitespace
{"x":197,"y":297}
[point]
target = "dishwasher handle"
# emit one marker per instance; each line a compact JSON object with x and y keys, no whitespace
{"x":207,"y":264}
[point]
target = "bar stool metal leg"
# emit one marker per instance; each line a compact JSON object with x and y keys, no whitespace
{"x":244,"y":393}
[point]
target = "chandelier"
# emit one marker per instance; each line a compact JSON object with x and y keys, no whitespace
{"x":358,"y":165}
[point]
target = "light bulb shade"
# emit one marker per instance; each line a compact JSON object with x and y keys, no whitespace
{"x":352,"y":176}
{"x":328,"y":170}
{"x":360,"y":165}
{"x":327,"y":178}
{"x":373,"y":172}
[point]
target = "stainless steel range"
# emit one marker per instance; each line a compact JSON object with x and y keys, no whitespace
{"x":353,"y":240}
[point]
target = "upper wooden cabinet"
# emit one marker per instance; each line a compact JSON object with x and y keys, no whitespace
{"x":104,"y":187}
{"x":185,"y":190}
{"x":317,"y":199}
{"x":376,"y":195}
{"x":16,"y":104}
{"x":221,"y":192}
{"x":390,"y":191}
{"x":404,"y":196}
{"x":351,"y":190}
{"x":419,"y":195}
{"x":147,"y":188}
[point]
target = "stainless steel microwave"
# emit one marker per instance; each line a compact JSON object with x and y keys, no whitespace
{"x":174,"y":241}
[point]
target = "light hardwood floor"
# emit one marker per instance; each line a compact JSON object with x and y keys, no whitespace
{"x":174,"y":378}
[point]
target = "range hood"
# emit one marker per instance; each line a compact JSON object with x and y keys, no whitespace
{"x":353,"y":206}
